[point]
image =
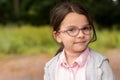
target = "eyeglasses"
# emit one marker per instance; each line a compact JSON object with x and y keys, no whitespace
{"x":74,"y":31}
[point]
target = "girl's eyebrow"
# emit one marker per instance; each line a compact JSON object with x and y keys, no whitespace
{"x":71,"y":26}
{"x":77,"y":26}
{"x":85,"y":24}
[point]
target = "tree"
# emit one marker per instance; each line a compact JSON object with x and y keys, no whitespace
{"x":105,"y":12}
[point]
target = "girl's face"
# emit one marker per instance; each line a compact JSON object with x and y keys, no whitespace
{"x":74,"y":33}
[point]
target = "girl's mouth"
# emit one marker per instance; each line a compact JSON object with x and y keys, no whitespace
{"x":80,"y":42}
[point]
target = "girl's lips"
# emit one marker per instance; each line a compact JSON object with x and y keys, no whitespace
{"x":79,"y":42}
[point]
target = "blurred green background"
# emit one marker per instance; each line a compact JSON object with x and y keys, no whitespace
{"x":29,"y":39}
{"x":25,"y":35}
{"x":24,"y":25}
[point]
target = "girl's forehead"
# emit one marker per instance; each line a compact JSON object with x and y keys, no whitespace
{"x":74,"y":19}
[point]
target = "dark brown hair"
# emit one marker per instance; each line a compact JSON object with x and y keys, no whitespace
{"x":59,"y":12}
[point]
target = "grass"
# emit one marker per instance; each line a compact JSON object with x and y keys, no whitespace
{"x":26,"y":39}
{"x":107,"y":39}
{"x":29,"y":39}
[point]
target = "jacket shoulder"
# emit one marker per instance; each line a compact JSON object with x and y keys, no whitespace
{"x":52,"y":61}
{"x":98,"y":57}
{"x":99,"y":66}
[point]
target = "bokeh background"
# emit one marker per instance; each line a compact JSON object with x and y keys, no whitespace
{"x":26,"y":41}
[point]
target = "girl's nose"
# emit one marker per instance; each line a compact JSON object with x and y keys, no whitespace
{"x":80,"y":34}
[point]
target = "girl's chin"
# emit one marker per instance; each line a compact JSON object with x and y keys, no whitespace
{"x":79,"y":49}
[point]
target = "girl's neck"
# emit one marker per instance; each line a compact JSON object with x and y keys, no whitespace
{"x":71,"y":57}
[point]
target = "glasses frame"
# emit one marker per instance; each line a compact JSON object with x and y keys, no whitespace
{"x":78,"y":31}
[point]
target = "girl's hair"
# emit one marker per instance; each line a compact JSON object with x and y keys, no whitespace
{"x":59,"y":12}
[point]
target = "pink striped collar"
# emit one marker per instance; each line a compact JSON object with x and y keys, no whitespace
{"x":80,"y":61}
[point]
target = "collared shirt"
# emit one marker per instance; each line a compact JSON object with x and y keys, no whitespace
{"x":75,"y":71}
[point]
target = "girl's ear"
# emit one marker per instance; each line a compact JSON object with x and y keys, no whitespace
{"x":56,"y":36}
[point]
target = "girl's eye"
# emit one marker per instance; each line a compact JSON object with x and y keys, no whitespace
{"x":72,"y":29}
{"x":86,"y":28}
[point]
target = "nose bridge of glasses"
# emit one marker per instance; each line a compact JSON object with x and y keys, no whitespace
{"x":80,"y":32}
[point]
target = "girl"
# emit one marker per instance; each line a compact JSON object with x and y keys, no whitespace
{"x":74,"y":30}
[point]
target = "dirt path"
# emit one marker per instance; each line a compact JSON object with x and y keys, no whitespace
{"x":31,"y":67}
{"x":114,"y":57}
{"x":23,"y":68}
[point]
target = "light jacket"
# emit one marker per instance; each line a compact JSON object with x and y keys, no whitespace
{"x":98,"y":68}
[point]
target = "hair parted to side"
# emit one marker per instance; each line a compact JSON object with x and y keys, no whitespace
{"x":58,"y":13}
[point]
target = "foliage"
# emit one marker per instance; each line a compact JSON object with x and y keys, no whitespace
{"x":105,"y":12}
{"x":106,"y":40}
{"x":28,"y":39}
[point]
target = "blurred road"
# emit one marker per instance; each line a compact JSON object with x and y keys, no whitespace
{"x":31,"y":67}
{"x":114,"y":57}
{"x":23,"y":68}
